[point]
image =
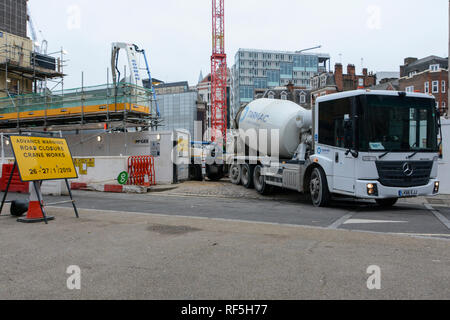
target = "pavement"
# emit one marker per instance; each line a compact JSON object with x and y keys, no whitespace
{"x":176,"y":245}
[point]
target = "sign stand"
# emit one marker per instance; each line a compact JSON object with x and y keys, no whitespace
{"x":62,"y":169}
{"x":7,"y":186}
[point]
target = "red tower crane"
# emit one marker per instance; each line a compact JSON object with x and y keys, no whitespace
{"x":218,"y":74}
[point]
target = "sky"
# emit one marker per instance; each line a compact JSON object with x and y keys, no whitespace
{"x":176,"y":34}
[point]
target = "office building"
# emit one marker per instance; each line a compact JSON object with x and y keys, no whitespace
{"x":14,"y":17}
{"x":263,"y":69}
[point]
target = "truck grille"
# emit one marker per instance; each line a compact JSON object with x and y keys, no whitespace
{"x":404,"y":173}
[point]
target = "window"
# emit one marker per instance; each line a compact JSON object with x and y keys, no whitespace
{"x":331,"y":121}
{"x":271,"y":95}
{"x":435,"y":87}
{"x":443,"y":86}
{"x":283,"y":96}
{"x":302,"y":98}
{"x":409,"y":89}
{"x":395,"y":124}
{"x":427,"y":87}
{"x":434,"y":67}
{"x":361,"y":82}
{"x":443,"y":105}
{"x":412,"y":73}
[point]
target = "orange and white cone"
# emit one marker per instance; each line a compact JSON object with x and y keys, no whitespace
{"x":35,"y":213}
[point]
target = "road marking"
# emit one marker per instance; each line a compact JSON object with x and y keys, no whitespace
{"x":438,"y":215}
{"x":364,"y":221}
{"x":341,"y":221}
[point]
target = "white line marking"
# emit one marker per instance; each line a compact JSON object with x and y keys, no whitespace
{"x":341,"y":221}
{"x":364,"y":221}
{"x":438,"y":215}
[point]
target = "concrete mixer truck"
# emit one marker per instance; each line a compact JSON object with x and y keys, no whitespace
{"x":380,"y":145}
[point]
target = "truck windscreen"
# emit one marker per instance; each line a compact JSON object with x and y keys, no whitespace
{"x":397,"y":124}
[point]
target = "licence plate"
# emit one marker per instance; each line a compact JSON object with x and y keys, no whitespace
{"x":408,"y":193}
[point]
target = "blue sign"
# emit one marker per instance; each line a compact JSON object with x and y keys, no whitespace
{"x":244,"y":114}
{"x":1,"y":34}
{"x":319,"y":150}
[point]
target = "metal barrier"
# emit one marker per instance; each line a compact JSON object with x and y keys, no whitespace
{"x":141,"y":171}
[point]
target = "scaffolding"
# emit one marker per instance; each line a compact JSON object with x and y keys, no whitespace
{"x":29,"y":103}
{"x":126,"y":103}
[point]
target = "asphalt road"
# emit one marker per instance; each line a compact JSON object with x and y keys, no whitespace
{"x":404,"y":218}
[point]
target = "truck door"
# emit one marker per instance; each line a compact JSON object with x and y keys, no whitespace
{"x":333,"y":115}
{"x":344,"y":162}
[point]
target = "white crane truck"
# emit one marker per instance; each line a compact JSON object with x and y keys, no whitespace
{"x":380,"y":145}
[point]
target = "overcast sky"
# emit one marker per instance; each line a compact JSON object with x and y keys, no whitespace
{"x":177,"y":33}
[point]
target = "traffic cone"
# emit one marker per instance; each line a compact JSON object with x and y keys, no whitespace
{"x":34,"y":213}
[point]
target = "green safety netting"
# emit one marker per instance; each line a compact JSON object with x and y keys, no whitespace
{"x":86,"y":96}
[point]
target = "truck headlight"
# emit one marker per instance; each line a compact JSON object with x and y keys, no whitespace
{"x":436,"y":187}
{"x":372,"y":189}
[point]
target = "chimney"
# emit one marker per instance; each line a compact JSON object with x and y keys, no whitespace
{"x":338,"y":78}
{"x":290,"y":87}
{"x":364,"y":72}
{"x":351,"y":69}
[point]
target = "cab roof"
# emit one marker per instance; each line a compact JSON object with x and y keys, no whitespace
{"x":361,"y":92}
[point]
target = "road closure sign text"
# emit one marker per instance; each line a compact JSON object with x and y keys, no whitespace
{"x":43,"y":158}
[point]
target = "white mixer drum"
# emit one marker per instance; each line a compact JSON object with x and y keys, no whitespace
{"x":283,"y":115}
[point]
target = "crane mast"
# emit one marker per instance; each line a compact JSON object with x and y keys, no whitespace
{"x":218,"y":74}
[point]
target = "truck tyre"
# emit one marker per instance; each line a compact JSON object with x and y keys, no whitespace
{"x":214,"y":172}
{"x":318,"y":186}
{"x":259,"y":182}
{"x":235,"y":174}
{"x":386,"y":203}
{"x":195,"y":172}
{"x":247,"y":175}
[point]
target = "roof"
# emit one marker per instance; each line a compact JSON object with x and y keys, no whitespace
{"x":173,"y":84}
{"x":322,"y":55}
{"x":386,"y":85}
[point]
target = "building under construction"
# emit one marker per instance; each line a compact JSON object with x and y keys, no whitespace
{"x":26,"y":101}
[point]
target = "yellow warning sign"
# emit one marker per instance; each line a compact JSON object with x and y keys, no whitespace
{"x":43,"y":158}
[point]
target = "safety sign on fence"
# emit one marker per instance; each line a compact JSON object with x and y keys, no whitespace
{"x":43,"y":158}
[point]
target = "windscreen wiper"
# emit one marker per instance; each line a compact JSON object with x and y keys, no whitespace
{"x":411,"y":156}
{"x":384,"y":155}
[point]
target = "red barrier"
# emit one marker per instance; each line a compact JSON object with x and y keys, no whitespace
{"x":17,"y":185}
{"x":141,"y":171}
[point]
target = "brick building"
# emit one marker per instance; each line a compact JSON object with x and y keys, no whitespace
{"x":299,"y":95}
{"x":328,"y":82}
{"x":427,"y":75}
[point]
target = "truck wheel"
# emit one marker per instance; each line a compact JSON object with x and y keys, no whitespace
{"x":386,"y":203}
{"x":195,"y":172}
{"x":260,"y":183}
{"x":247,"y":175}
{"x":318,"y":186}
{"x":235,"y":174}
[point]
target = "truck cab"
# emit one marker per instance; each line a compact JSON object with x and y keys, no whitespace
{"x":380,"y":145}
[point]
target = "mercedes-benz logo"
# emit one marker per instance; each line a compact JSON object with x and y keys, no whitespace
{"x":407,"y":169}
